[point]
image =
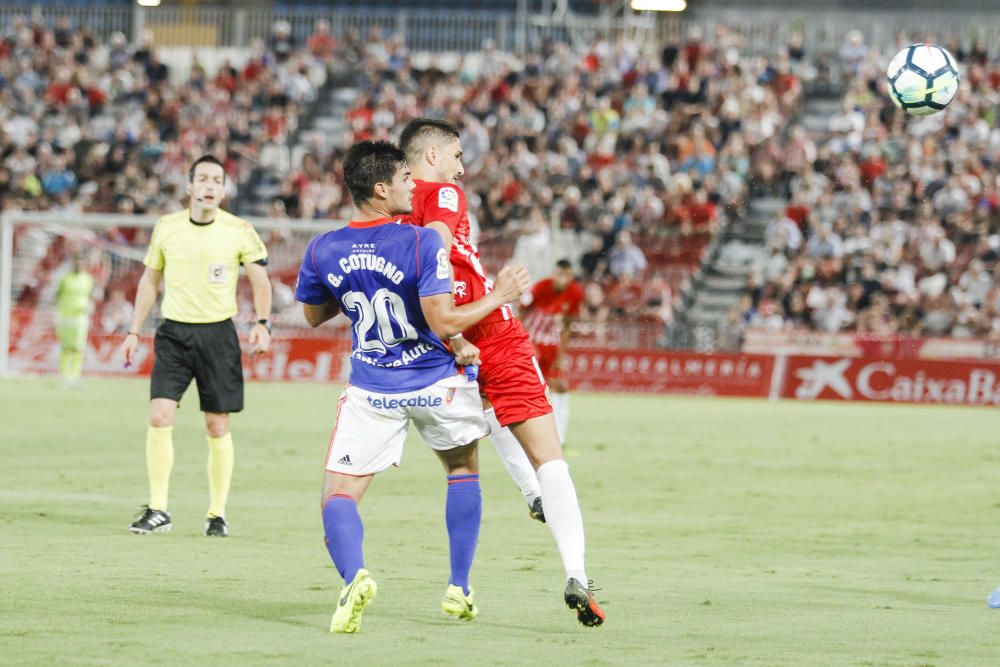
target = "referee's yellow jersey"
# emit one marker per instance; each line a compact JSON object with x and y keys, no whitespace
{"x":201,"y":264}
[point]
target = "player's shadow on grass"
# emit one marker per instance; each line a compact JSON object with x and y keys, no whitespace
{"x":317,"y":614}
{"x":423,"y":617}
{"x":292,"y":612}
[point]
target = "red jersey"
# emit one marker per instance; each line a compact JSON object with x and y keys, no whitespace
{"x":549,"y":308}
{"x":445,"y":202}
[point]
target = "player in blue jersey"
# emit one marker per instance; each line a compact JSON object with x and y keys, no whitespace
{"x":393,"y":282}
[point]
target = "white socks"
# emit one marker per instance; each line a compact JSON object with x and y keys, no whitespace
{"x":514,"y":459}
{"x":560,"y":409}
{"x":553,"y":484}
{"x":562,"y":515}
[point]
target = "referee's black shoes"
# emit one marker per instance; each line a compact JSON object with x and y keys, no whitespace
{"x":148,"y":520}
{"x":215,"y":526}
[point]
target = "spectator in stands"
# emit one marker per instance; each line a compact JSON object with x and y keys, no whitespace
{"x":321,"y":45}
{"x":783,"y":234}
{"x":799,"y":152}
{"x":852,"y":53}
{"x":768,"y":316}
{"x":593,"y":263}
{"x":658,"y":300}
{"x":281,"y":42}
{"x":608,"y":129}
{"x":974,"y":285}
{"x":825,"y":244}
{"x":592,"y":323}
{"x":771,"y":267}
{"x":626,"y":260}
{"x":829,"y":309}
{"x":937,"y":252}
{"x":56,"y":178}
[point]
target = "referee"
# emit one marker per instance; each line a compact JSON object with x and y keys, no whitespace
{"x":197,"y":253}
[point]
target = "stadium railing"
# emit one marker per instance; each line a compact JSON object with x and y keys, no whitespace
{"x":759,"y":31}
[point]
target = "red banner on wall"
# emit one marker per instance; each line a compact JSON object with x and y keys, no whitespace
{"x":289,"y":359}
{"x":37,"y":353}
{"x":665,"y":372}
{"x":796,"y":377}
{"x":327,"y":360}
{"x":301,"y":360}
{"x":893,"y":380}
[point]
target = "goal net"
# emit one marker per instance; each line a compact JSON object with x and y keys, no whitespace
{"x":38,"y":249}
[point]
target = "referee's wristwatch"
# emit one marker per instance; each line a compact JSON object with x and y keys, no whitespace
{"x":266,"y":324}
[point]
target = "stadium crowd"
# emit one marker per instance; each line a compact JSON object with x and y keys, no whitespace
{"x":891,"y":225}
{"x":637,"y":160}
{"x":91,"y":126}
{"x":107,"y":127}
{"x":625,"y":163}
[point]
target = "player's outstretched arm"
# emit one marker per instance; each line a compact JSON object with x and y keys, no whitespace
{"x":316,"y":314}
{"x":145,"y":298}
{"x":446,"y":319}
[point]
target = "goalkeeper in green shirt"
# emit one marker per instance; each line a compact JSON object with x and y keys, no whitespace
{"x":73,"y":319}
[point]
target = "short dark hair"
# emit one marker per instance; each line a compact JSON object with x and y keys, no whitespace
{"x":419,"y":131}
{"x":564,"y":264}
{"x":205,"y":159}
{"x":368,"y":163}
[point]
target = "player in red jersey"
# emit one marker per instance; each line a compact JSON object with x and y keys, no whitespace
{"x":509,"y":377}
{"x":549,"y":309}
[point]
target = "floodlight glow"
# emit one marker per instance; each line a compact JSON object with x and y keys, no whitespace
{"x":148,"y":3}
{"x":659,"y":5}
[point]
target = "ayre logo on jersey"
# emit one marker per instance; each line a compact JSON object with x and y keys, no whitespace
{"x":448,"y":199}
{"x":386,"y":403}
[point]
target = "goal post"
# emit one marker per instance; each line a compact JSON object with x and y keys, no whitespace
{"x":37,"y":249}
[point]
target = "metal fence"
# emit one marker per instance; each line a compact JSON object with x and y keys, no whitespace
{"x":431,"y":29}
{"x":426,"y":30}
{"x":823,"y":32}
{"x":102,"y":21}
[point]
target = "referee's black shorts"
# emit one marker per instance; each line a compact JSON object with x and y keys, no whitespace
{"x":207,"y":353}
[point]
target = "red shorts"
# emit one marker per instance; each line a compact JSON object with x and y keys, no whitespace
{"x":509,"y":375}
{"x":547,"y":356}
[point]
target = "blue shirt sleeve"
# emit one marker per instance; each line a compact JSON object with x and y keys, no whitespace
{"x":310,"y":287}
{"x":433,"y":263}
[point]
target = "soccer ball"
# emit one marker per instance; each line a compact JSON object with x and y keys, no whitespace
{"x":923,"y":79}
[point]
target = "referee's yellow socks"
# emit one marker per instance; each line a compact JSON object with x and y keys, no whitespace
{"x":66,"y":364}
{"x":159,"y":463}
{"x":76,"y":365}
{"x":220,"y":472}
{"x":71,"y":364}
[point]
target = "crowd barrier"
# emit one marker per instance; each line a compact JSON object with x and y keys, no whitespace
{"x":443,"y":29}
{"x":806,"y":377}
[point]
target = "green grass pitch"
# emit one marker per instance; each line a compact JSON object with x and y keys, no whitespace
{"x":722,"y":532}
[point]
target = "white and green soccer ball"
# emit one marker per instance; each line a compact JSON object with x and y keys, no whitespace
{"x":923,"y":79}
